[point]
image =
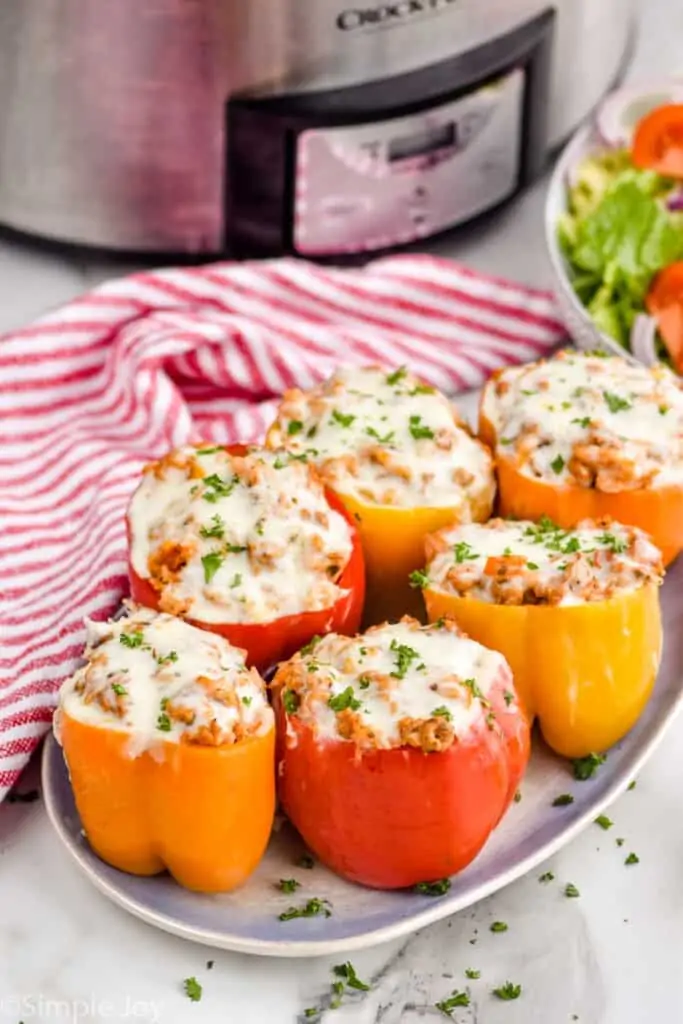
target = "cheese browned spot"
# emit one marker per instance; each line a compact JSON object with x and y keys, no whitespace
{"x":383,"y":437}
{"x":518,"y":562}
{"x":160,"y":679}
{"x":398,"y":684}
{"x":590,"y":421}
{"x":237,"y":538}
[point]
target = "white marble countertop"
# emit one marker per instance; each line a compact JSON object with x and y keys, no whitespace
{"x":613,"y":956}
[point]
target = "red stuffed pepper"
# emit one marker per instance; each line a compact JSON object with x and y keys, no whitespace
{"x":247,"y":544}
{"x":399,"y":750}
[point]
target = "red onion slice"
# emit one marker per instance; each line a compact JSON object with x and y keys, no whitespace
{"x":642,"y":339}
{"x":623,"y":109}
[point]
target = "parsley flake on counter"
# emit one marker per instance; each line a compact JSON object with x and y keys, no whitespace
{"x":620,"y":841}
{"x":498,"y":926}
{"x":290,"y":701}
{"x":419,"y":579}
{"x":397,"y":376}
{"x":442,"y":712}
{"x":456,"y":999}
{"x":615,"y":403}
{"x":288,"y":885}
{"x":604,"y":822}
{"x":313,"y":908}
{"x":547,"y":876}
{"x":508,"y":991}
{"x":211,"y":563}
{"x":557,"y":465}
{"x":344,"y":700}
{"x":343,"y":419}
{"x":193,"y":990}
{"x":438,"y":888}
{"x":473,"y":975}
{"x":418,"y":429}
{"x":348,"y":972}
{"x":571,"y":890}
{"x":135,"y":639}
{"x":462,"y":552}
{"x":405,"y":656}
{"x":586,"y":767}
{"x":563,"y":800}
{"x":632,"y":858}
{"x":216,"y":529}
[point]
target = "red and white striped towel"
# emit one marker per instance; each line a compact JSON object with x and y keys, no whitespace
{"x":91,"y":392}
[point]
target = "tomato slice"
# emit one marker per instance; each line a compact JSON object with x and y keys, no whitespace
{"x":658,"y":141}
{"x":267,"y":643}
{"x":664,"y":302}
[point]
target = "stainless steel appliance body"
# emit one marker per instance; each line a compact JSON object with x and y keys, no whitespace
{"x":313,"y":126}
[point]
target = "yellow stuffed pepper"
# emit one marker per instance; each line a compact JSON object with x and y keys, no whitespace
{"x":575,"y":612}
{"x":170,"y":744}
{"x":395,"y":452}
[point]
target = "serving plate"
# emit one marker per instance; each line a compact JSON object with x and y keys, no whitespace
{"x":247,"y":921}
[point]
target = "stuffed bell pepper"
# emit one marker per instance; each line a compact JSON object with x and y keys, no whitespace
{"x":403,"y":464}
{"x":170,"y":745}
{"x":399,"y":750}
{"x":575,"y":613}
{"x":585,"y":436}
{"x":248,"y":544}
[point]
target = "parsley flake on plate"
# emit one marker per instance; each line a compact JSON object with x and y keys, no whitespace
{"x":508,"y":991}
{"x":498,"y":926}
{"x":347,"y":972}
{"x":563,"y":800}
{"x":438,"y":888}
{"x":586,"y":767}
{"x":193,"y":990}
{"x":312,"y":908}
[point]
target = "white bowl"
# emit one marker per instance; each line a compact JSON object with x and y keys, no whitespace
{"x":576,"y":318}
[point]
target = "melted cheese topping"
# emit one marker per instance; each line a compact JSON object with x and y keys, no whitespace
{"x":399,"y":684}
{"x":385,"y":438}
{"x":588,"y":420}
{"x":226,"y":538}
{"x":517,"y":562}
{"x":159,"y":679}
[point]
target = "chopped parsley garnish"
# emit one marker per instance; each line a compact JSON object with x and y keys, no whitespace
{"x":166,"y":659}
{"x":473,"y":687}
{"x":631,"y":785}
{"x":258,"y":529}
{"x":193,"y":990}
{"x":422,"y":389}
{"x":508,"y":991}
{"x":211,"y":563}
{"x":563,"y":800}
{"x":246,"y":701}
{"x":547,"y":876}
{"x":620,"y":842}
{"x":418,"y":429}
{"x":462,"y":552}
{"x":442,"y":712}
{"x":583,"y":421}
{"x":508,"y":697}
{"x":557,"y":465}
{"x":290,"y":701}
{"x":439,"y":888}
{"x":604,"y":822}
{"x":616,"y":544}
{"x":386,"y":439}
{"x":571,"y":890}
{"x":405,"y":656}
{"x":119,"y":690}
{"x":209,"y":965}
{"x":235,"y":549}
{"x":344,"y":700}
{"x":456,"y":999}
{"x":473,"y":975}
{"x":236,"y":580}
{"x":164,"y":722}
{"x":499,"y":926}
{"x":135,"y":639}
{"x":348,"y":973}
{"x":517,"y":797}
{"x":313,"y":908}
{"x":308,"y":648}
{"x":294,"y":427}
{"x":312,"y":1011}
{"x":632,"y":858}
{"x":615,"y":403}
{"x":663,"y":410}
{"x":397,"y":376}
{"x":218,"y":488}
{"x":209,"y":451}
{"x":364,"y":682}
{"x":419,"y":579}
{"x":306,"y":861}
{"x":343,"y":419}
{"x":586,"y":767}
{"x":532,"y":565}
{"x":288,"y":885}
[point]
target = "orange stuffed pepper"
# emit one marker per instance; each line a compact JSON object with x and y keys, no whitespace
{"x":586,"y":436}
{"x":399,"y":750}
{"x":246,"y":544}
{"x":395,"y":452}
{"x":575,"y":613}
{"x":170,"y":744}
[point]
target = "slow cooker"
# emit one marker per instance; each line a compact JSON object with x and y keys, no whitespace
{"x":321,"y":128}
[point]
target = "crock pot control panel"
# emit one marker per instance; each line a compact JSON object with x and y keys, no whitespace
{"x":369,"y":168}
{"x":384,"y":184}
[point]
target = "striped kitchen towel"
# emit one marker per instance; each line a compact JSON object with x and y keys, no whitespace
{"x":91,"y":392}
